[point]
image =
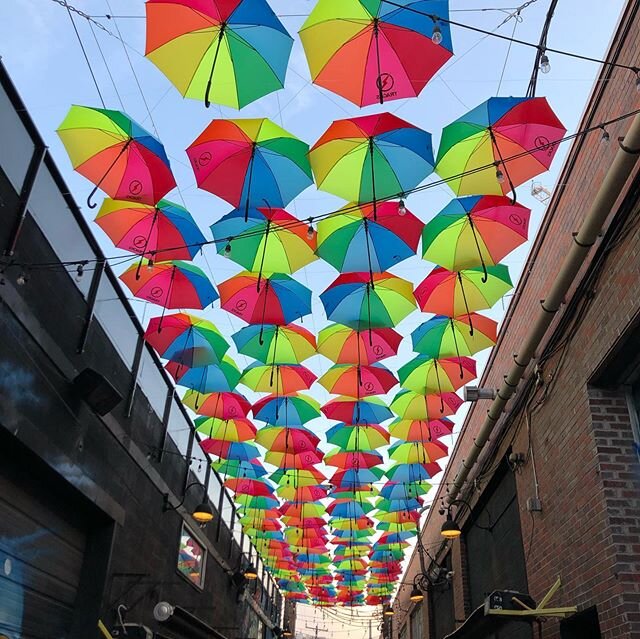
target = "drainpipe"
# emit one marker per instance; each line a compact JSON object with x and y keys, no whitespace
{"x":610,"y":189}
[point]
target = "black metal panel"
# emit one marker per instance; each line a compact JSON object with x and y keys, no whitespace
{"x":441,"y":608}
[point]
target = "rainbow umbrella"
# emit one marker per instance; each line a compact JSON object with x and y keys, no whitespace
{"x":349,"y":509}
{"x":355,"y":478}
{"x":357,"y":411}
{"x":356,"y":438}
{"x":217,"y":378}
{"x":420,"y":430}
{"x":271,"y":240}
{"x":455,"y":293}
{"x":371,"y":158}
{"x":282,"y":379}
{"x":443,"y":336}
{"x":186,"y":339}
{"x":223,"y":405}
{"x":390,"y":238}
{"x":394,"y":491}
{"x":162,"y":232}
{"x":302,"y":461}
{"x":239,"y":429}
{"x":282,"y":439}
{"x":352,"y":459}
{"x":344,"y":345}
{"x":297,"y":478}
{"x":173,"y":284}
{"x":426,"y":375}
{"x":242,"y":469}
{"x":249,"y":487}
{"x":475,"y":231}
{"x":370,"y":52}
{"x":239,"y":451}
{"x":361,"y":302}
{"x":303,"y":493}
{"x":417,"y":452}
{"x":411,"y":473}
{"x":257,"y":501}
{"x":358,"y":381}
{"x":502,"y":143}
{"x":410,"y":405}
{"x":273,"y":344}
{"x":290,"y":410}
{"x":227,"y":52}
{"x":250,"y":162}
{"x":116,"y":154}
{"x":279,"y":300}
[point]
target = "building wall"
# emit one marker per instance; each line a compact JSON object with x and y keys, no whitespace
{"x":580,"y":433}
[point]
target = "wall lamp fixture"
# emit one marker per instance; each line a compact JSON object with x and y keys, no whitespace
{"x":450,"y":528}
{"x":202,"y":513}
{"x":473,"y":393}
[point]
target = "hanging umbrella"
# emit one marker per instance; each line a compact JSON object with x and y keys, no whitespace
{"x":242,"y":469}
{"x":357,"y":438}
{"x":475,"y":231}
{"x":240,"y":451}
{"x":357,"y":411}
{"x":502,"y":143}
{"x":410,"y":405}
{"x":248,"y":162}
{"x":455,"y":293}
{"x":239,"y":429}
{"x":411,"y":473}
{"x":297,"y":478}
{"x":116,"y":154}
{"x":349,"y":509}
{"x":282,"y":439}
{"x":370,"y":52}
{"x":249,"y":487}
{"x":443,"y":336}
{"x":303,"y":493}
{"x":417,"y":452}
{"x":279,"y":300}
{"x":257,"y":501}
{"x":279,"y":379}
{"x":294,"y":410}
{"x":172,"y":285}
{"x":223,"y":405}
{"x":371,"y":158}
{"x":229,"y":53}
{"x":353,"y":459}
{"x":162,"y":232}
{"x":303,"y":461}
{"x":273,"y":344}
{"x":186,"y":339}
{"x":388,"y":239}
{"x":217,"y":378}
{"x":358,"y":381}
{"x":394,"y":490}
{"x":344,"y":345}
{"x":355,"y":478}
{"x":420,"y":430}
{"x":271,"y":240}
{"x":424,"y":374}
{"x":355,"y":300}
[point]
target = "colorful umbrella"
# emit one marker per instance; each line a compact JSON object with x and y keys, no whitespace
{"x":279,"y":379}
{"x":371,"y":158}
{"x":417,"y":452}
{"x":425,"y":374}
{"x":502,"y":143}
{"x":242,"y":469}
{"x":283,"y":439}
{"x":394,"y":490}
{"x":229,"y":53}
{"x":172,"y":284}
{"x":186,"y":339}
{"x":358,"y":381}
{"x":357,"y":301}
{"x":297,"y":478}
{"x":302,"y":461}
{"x":303,"y":493}
{"x":162,"y":232}
{"x":344,"y":345}
{"x":455,"y":293}
{"x":475,"y":231}
{"x":217,"y":378}
{"x":356,"y":411}
{"x":410,"y":405}
{"x":278,"y":300}
{"x":414,"y":472}
{"x":275,"y":344}
{"x":356,"y":438}
{"x":388,"y":239}
{"x":443,"y":336}
{"x":239,"y":451}
{"x":272,"y":240}
{"x":294,"y":410}
{"x":226,"y":430}
{"x":223,"y":405}
{"x":419,"y":430}
{"x":249,"y":487}
{"x":354,"y":459}
{"x":355,"y":478}
{"x":248,"y":162}
{"x":370,"y":52}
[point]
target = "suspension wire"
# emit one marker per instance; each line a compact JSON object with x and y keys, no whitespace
{"x":104,"y":60}
{"x":542,"y":46}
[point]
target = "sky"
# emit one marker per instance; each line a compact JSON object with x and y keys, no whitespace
{"x":43,"y":56}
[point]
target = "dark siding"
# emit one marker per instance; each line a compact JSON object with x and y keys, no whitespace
{"x":442,"y":616}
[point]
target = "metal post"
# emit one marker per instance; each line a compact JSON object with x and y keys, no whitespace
{"x":91,"y":303}
{"x":192,"y":436}
{"x":220,"y":507}
{"x":135,"y":369}
{"x":166,"y":415}
{"x":25,"y":194}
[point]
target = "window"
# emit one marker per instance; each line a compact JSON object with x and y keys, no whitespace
{"x":191,"y":558}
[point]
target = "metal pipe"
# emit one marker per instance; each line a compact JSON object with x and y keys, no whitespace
{"x":610,"y":189}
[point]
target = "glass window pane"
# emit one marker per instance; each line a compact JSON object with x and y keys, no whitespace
{"x":191,"y":558}
{"x":178,"y":429}
{"x":17,"y":147}
{"x":152,"y":383}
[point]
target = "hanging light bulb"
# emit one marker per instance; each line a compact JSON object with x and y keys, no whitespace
{"x":402,"y":209}
{"x":150,"y":264}
{"x":227,"y":248}
{"x":545,"y":65}
{"x":79,"y":272}
{"x":499,"y":175}
{"x":310,"y":230}
{"x":436,"y":36}
{"x":22,"y":279}
{"x":605,"y":136}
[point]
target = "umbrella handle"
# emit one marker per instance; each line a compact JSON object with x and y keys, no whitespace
{"x":125,"y":146}
{"x":246,"y":204}
{"x":466,"y":305}
{"x":91,"y":204}
{"x":207,"y":103}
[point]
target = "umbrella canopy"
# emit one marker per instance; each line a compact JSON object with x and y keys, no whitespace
{"x":344,"y":345}
{"x":499,"y":145}
{"x":420,"y":430}
{"x":249,"y":161}
{"x":226,"y":430}
{"x":281,"y":439}
{"x":248,"y":487}
{"x":229,"y":53}
{"x":278,"y":299}
{"x":221,"y":405}
{"x":352,"y":459}
{"x":395,"y":490}
{"x":412,"y":472}
{"x":116,"y":154}
{"x":279,"y":379}
{"x":303,"y":493}
{"x":475,"y":231}
{"x":357,"y":477}
{"x":424,"y":374}
{"x":417,"y":452}
{"x":370,"y":52}
{"x":297,"y":478}
{"x":271,"y":240}
{"x":356,"y":438}
{"x":358,"y":381}
{"x":173,"y":284}
{"x":186,"y":339}
{"x":389,"y":237}
{"x":242,"y":469}
{"x":411,"y":405}
{"x":362,"y":302}
{"x":302,"y":461}
{"x":162,"y":232}
{"x":239,"y":451}
{"x":443,"y":336}
{"x":217,"y":378}
{"x":357,"y":411}
{"x":275,"y":344}
{"x":371,"y":157}
{"x":294,"y":410}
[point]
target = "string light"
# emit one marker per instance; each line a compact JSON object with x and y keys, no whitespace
{"x":150,"y":265}
{"x":436,"y":36}
{"x":402,"y":209}
{"x":545,"y":65}
{"x":22,"y":279}
{"x":227,"y":248}
{"x":310,"y":229}
{"x":79,"y":272}
{"x":499,"y":175}
{"x":605,"y":136}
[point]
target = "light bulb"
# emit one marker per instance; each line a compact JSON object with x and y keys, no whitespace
{"x":605,"y":136}
{"x":79,"y":272}
{"x":227,"y":248}
{"x":21,"y":280}
{"x":310,"y":230}
{"x":402,"y":209}
{"x":499,"y":176}
{"x":436,"y":36}
{"x":545,"y":65}
{"x":150,"y":265}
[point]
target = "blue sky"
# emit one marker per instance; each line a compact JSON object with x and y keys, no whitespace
{"x":41,"y":52}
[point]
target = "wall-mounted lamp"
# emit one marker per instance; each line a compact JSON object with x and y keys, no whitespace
{"x":388,"y":611}
{"x":416,"y":594}
{"x":450,"y":529}
{"x":250,"y":573}
{"x":202,"y":513}
{"x":473,"y":393}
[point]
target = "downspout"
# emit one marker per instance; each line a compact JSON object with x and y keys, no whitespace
{"x":610,"y":189}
